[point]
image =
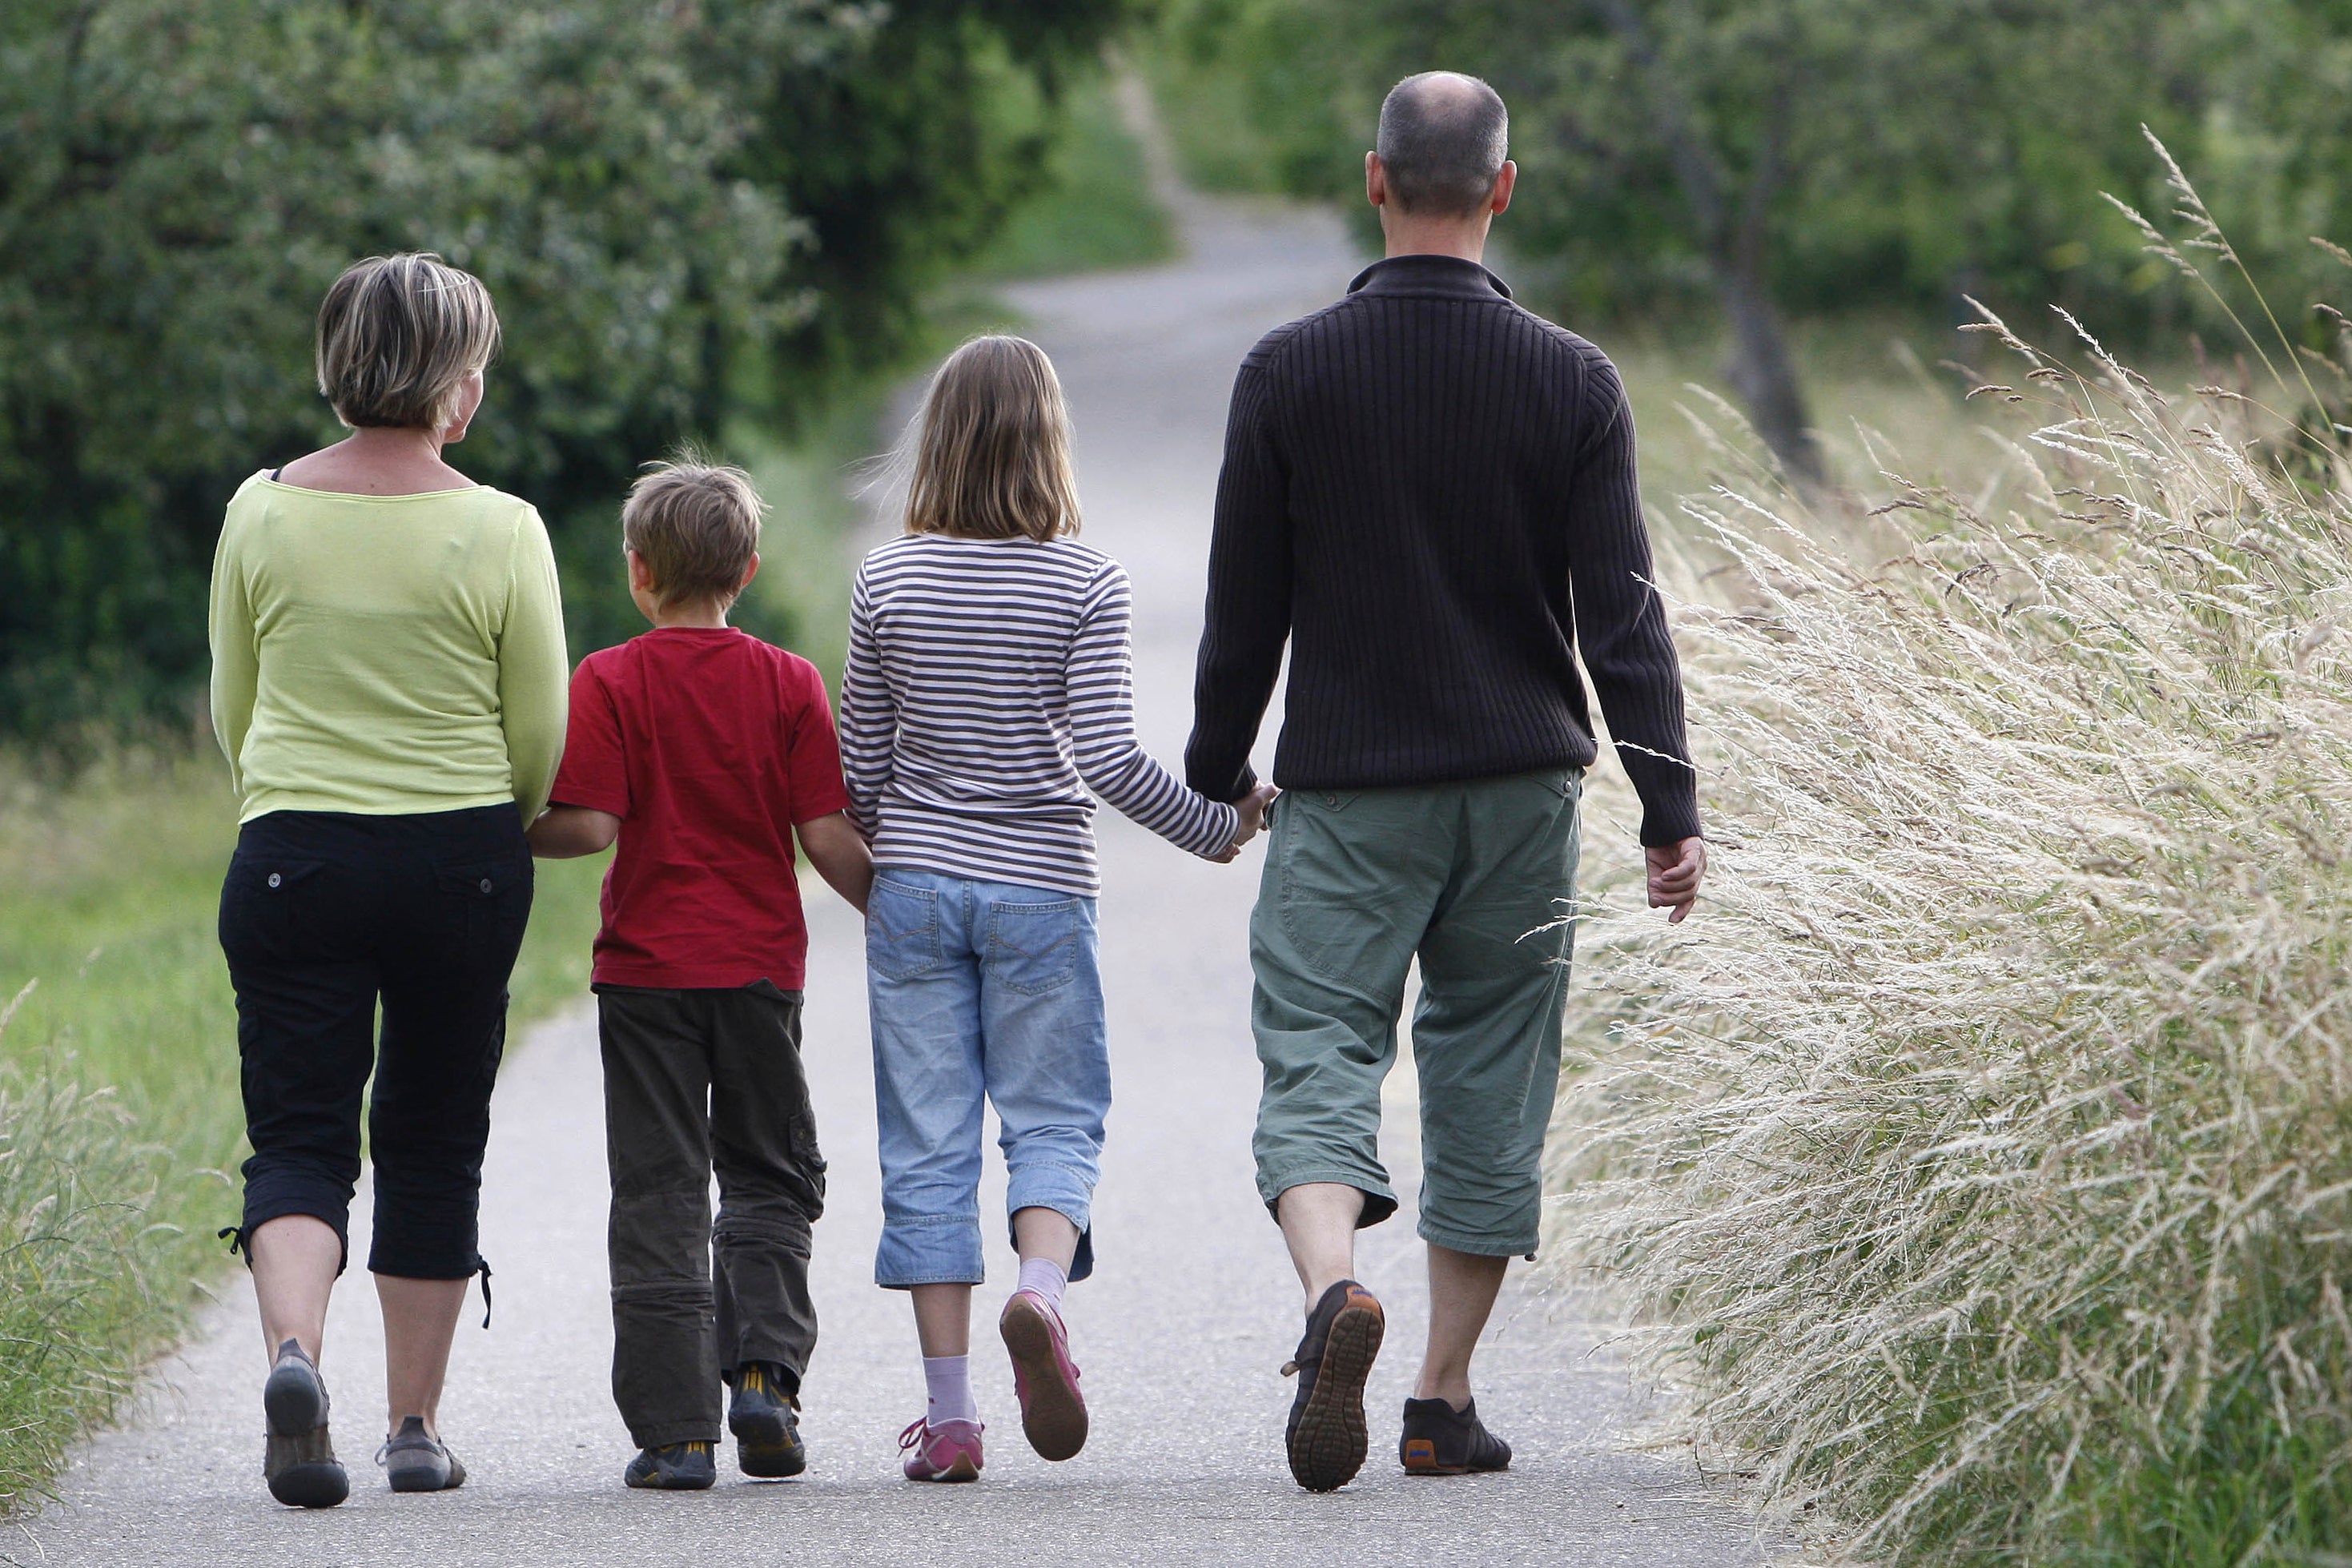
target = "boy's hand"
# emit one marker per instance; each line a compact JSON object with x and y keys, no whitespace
{"x":1675,"y":872}
{"x":1253,"y":808}
{"x":838,"y":851}
{"x":568,"y":832}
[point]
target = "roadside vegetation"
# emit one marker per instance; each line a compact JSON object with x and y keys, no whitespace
{"x":1979,"y":1162}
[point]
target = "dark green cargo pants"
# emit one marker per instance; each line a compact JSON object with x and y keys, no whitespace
{"x":1475,"y":878}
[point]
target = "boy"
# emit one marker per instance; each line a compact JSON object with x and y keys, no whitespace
{"x":703,"y":750}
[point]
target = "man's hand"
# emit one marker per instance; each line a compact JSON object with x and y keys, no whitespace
{"x":1253,"y":808}
{"x":1675,"y":872}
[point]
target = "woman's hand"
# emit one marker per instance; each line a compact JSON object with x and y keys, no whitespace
{"x":1253,"y":808}
{"x":568,"y":832}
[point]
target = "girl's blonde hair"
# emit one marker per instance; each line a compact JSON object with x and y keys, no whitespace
{"x":398,"y":335}
{"x":993,"y":461}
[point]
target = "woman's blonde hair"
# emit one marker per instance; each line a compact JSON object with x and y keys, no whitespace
{"x":993,"y":457}
{"x":398,"y":335}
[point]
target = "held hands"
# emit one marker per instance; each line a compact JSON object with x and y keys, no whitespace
{"x":1253,"y":808}
{"x":1675,"y":872}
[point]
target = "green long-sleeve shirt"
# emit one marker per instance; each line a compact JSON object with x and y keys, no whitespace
{"x":386,"y":654}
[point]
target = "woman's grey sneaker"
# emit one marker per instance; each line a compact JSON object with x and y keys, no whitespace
{"x":1327,"y":1436}
{"x":673,"y":1467}
{"x":1440,"y":1440}
{"x":414,"y":1461}
{"x":298,"y":1459}
{"x":763,"y":1413}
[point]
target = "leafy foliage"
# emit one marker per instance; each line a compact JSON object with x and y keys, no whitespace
{"x":686,"y":212}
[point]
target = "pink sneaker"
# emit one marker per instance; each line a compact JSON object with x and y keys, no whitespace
{"x":1053,"y":1411}
{"x":947,"y":1452}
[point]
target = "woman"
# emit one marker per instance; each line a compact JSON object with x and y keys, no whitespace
{"x":388,"y":683}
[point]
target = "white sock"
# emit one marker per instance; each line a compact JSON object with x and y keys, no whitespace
{"x":1044,"y":1276}
{"x":948,"y":1378}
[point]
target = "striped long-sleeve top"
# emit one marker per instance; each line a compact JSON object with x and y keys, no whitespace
{"x":989,"y":686}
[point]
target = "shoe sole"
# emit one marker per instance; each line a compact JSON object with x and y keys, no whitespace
{"x":425,"y":1479}
{"x":311,"y":1485}
{"x":766,"y":1448}
{"x":1328,"y":1445}
{"x":1053,"y":1417}
{"x":963,"y":1469}
{"x":294,"y":1401}
{"x":656,"y":1483}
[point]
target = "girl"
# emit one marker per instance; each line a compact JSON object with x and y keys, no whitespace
{"x":988,"y":679}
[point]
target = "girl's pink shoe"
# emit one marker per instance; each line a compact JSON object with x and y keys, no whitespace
{"x":949,"y":1451}
{"x":1044,"y":1378}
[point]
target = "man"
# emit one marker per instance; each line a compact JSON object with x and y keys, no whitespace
{"x":1430,"y":494}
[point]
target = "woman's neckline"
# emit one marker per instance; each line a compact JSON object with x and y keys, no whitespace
{"x":272,"y":479}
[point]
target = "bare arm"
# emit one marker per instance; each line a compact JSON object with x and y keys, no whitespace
{"x":838,"y":851}
{"x":568,"y":832}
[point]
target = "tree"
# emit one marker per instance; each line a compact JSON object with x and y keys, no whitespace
{"x":686,"y":210}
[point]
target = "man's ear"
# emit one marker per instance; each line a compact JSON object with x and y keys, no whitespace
{"x":1505,"y":181}
{"x":1376,"y":181}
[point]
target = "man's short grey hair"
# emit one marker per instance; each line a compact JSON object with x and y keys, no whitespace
{"x":1443,"y":137}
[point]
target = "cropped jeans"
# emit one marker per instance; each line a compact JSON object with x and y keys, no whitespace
{"x":981,"y":989}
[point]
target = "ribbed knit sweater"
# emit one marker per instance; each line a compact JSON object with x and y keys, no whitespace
{"x":1429,"y":491}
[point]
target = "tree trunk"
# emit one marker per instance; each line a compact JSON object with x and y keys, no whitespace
{"x":1760,"y":372}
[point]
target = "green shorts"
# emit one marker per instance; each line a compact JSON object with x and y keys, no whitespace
{"x":1476,"y":879}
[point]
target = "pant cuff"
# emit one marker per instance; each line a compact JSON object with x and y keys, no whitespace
{"x":937,"y":1251}
{"x":1380,"y":1200}
{"x":1481,"y":1244}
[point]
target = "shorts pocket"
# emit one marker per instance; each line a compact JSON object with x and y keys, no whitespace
{"x":1033,"y":947}
{"x":902,"y":930}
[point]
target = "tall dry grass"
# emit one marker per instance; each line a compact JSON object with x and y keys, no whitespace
{"x":1981,"y":1158}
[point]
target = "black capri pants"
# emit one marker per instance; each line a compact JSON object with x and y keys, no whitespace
{"x":323,"y":915}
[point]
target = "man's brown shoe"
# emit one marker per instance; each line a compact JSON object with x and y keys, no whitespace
{"x":1326,"y":1435}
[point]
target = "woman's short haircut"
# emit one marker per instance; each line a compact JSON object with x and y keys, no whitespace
{"x":993,"y":461}
{"x":696,"y":525}
{"x":398,"y":335}
{"x":1443,"y":138}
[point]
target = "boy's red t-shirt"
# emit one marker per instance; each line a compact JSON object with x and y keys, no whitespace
{"x":710,"y":746}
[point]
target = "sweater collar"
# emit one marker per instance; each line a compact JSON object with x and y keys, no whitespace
{"x":1449,"y":277}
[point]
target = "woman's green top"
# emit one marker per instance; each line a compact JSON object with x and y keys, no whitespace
{"x":386,"y":654}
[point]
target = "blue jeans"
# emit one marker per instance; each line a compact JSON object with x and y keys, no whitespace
{"x":982,"y":988}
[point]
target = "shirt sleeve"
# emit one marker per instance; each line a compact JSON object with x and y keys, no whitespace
{"x":532,"y":666}
{"x":1099,"y":685}
{"x":812,"y":750}
{"x":236,"y":650}
{"x":869,"y":719}
{"x":595,"y":769}
{"x":1248,"y":615}
{"x":1620,"y":623}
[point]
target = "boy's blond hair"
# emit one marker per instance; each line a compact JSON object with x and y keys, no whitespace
{"x":398,"y":335}
{"x":696,"y":525}
{"x":993,"y":457}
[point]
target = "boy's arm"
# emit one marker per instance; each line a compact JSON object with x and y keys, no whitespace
{"x":838,"y":851}
{"x":568,"y":832}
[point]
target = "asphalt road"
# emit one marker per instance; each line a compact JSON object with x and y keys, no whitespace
{"x":1181,"y":1331}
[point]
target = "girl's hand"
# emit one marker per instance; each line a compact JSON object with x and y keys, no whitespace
{"x":1253,"y":808}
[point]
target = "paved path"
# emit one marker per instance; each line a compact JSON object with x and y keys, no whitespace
{"x":1182,"y":1328}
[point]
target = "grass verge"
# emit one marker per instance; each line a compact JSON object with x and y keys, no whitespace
{"x":1981,"y":1157}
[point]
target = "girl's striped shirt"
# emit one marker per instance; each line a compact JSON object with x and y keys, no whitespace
{"x":989,"y":686}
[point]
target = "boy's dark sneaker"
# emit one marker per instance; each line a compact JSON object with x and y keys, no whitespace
{"x":764,"y":1415}
{"x":414,"y":1461}
{"x":1440,"y":1440}
{"x":674,"y":1467}
{"x":298,"y":1459}
{"x":1326,"y":1435}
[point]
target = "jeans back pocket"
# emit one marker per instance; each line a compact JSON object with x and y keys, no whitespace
{"x":1033,"y":947}
{"x":902,"y":930}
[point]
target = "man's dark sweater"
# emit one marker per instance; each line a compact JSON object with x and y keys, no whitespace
{"x":1430,"y":491}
